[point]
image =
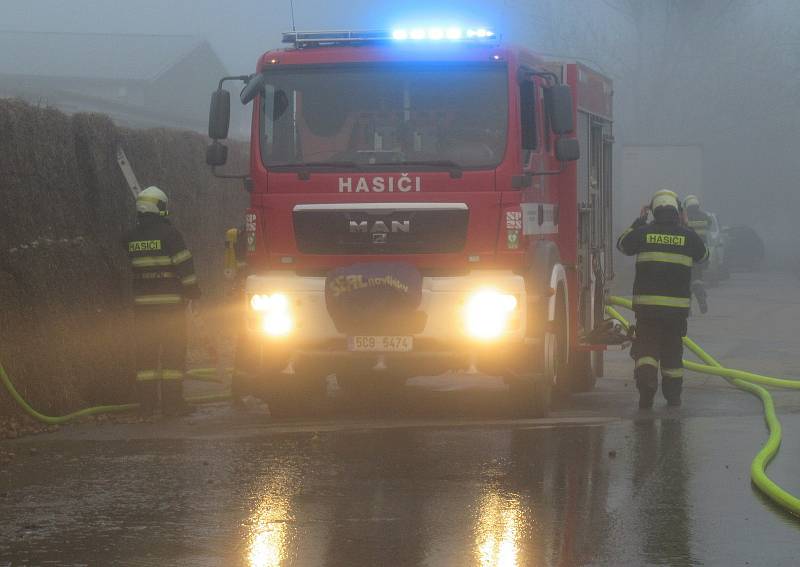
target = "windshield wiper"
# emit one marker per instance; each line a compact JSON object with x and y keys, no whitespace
{"x":454,"y":168}
{"x":303,"y":168}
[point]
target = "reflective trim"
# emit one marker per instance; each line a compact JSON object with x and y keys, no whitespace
{"x":172,"y":374}
{"x":705,"y":256}
{"x":646,"y":361}
{"x":672,"y":372}
{"x":667,"y":257}
{"x":181,"y":257}
{"x":189,"y":280}
{"x":162,"y":299}
{"x":155,"y":275}
{"x":668,"y":239}
{"x":151,"y":261}
{"x":662,"y":301}
{"x":699,"y":224}
{"x":147,"y":375}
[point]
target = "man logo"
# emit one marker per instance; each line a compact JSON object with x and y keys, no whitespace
{"x":380,"y":230}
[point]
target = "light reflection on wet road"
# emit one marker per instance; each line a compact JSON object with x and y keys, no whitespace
{"x":455,"y":484}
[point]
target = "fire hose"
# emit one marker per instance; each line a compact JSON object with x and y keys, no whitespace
{"x":205,"y":374}
{"x":749,"y":382}
{"x":743,"y":380}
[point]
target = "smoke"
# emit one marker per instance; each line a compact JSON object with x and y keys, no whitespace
{"x":718,"y":74}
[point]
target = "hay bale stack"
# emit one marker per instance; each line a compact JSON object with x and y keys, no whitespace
{"x":64,"y":314}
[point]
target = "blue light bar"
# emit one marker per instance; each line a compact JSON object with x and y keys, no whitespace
{"x":440,"y":33}
{"x":303,"y":39}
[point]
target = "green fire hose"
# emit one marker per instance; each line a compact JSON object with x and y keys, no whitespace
{"x":208,"y":374}
{"x":748,"y":382}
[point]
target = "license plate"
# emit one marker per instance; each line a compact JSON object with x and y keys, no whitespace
{"x":388,"y":343}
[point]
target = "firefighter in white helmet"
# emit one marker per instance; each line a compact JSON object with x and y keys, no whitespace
{"x":163,"y":282}
{"x":665,"y":252}
{"x":699,"y":221}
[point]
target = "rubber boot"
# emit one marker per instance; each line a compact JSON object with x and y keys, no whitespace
{"x":172,"y":402}
{"x":647,"y":392}
{"x":147,"y":393}
{"x":671,"y":388}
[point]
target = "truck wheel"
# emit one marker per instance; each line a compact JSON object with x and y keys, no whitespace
{"x":531,"y":397}
{"x":563,"y":377}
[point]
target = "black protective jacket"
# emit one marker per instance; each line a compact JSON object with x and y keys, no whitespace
{"x":665,"y":253}
{"x":163,"y":269}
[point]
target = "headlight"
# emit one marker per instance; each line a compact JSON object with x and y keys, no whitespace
{"x":275,"y":313}
{"x":487,"y":313}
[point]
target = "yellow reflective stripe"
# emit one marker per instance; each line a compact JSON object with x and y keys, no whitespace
{"x":699,"y":224}
{"x":144,"y":375}
{"x":646,"y":361}
{"x":151,"y":261}
{"x":669,"y":239}
{"x":662,"y":301}
{"x":189,"y":280}
{"x":667,"y":257}
{"x":154,"y":275}
{"x":144,"y":245}
{"x":181,"y":257}
{"x":172,"y":374}
{"x":672,"y":372}
{"x":162,"y":299}
{"x":148,"y":199}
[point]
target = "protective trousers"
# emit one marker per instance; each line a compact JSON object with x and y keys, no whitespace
{"x":659,"y":342}
{"x":160,"y":336}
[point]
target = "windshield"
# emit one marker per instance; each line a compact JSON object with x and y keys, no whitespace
{"x":362,"y":115}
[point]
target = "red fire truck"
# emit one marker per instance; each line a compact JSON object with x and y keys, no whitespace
{"x":486,"y":169}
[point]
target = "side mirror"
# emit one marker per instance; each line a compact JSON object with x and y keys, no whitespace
{"x":568,"y":149}
{"x":216,"y":154}
{"x":254,"y":86}
{"x":219,"y":114}
{"x":558,"y":102}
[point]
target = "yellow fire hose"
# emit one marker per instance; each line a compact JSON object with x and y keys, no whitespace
{"x":748,"y":382}
{"x":208,"y":374}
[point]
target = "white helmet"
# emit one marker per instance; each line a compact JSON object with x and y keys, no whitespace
{"x":152,"y":200}
{"x":691,"y":201}
{"x":665,"y":198}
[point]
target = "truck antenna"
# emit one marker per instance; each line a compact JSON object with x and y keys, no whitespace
{"x":291,"y":9}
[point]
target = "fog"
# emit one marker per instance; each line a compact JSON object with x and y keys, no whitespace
{"x":720,"y":74}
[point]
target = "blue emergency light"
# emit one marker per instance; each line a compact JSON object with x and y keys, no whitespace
{"x":441,"y":33}
{"x":435,"y":33}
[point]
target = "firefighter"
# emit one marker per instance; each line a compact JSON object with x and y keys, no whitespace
{"x":163,"y":281}
{"x":699,"y":221}
{"x":236,"y":273}
{"x":665,"y":252}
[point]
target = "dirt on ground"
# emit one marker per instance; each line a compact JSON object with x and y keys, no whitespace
{"x":65,"y":320}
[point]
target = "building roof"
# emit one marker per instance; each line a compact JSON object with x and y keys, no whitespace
{"x":132,"y":57}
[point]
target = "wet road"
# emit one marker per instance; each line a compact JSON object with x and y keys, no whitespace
{"x":446,"y":479}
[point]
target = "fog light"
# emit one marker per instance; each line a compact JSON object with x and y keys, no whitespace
{"x":487,"y":314}
{"x":276,"y":316}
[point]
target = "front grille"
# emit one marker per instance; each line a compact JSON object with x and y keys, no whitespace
{"x":355,"y":229}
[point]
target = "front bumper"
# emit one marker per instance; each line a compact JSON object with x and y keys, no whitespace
{"x":442,"y":343}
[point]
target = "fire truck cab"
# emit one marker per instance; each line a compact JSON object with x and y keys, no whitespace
{"x":485,"y":168}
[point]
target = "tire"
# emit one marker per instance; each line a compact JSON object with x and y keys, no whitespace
{"x":532,"y":397}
